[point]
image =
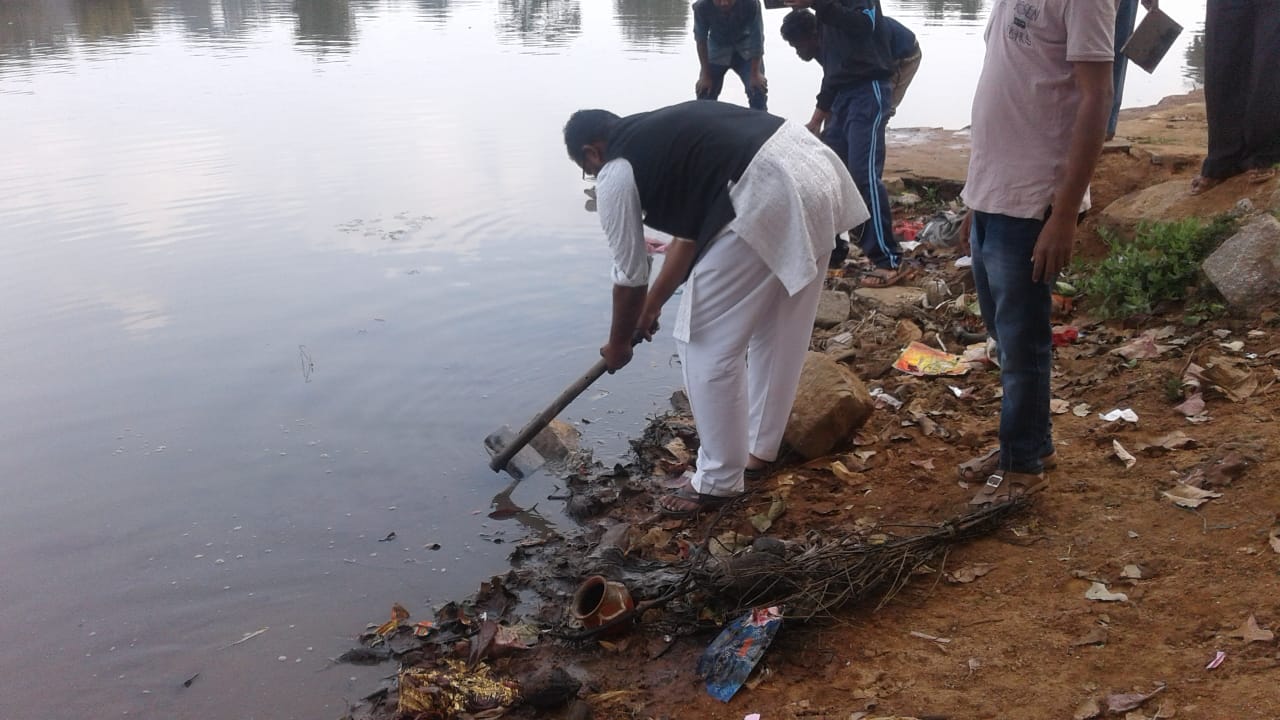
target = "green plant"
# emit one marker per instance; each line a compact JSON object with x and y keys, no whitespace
{"x":1160,"y":263}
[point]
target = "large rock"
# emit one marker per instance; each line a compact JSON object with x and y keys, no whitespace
{"x":1246,"y":268}
{"x":1171,"y":201}
{"x":833,"y":309}
{"x":894,"y":301}
{"x":831,"y":405}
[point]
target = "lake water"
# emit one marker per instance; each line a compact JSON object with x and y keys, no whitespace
{"x":270,"y":270}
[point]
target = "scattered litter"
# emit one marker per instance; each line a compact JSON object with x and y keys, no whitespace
{"x":727,"y":662}
{"x":960,"y":392}
{"x":187,"y":683}
{"x":247,"y":637}
{"x":970,"y":572}
{"x":1189,"y":496}
{"x":1065,"y":335}
{"x":452,"y":690}
{"x":883,"y":398}
{"x":1131,"y":572}
{"x":1058,"y":406}
{"x":922,"y":360}
{"x":1126,"y":414}
{"x":1124,"y":455}
{"x":1133,"y":535}
{"x":390,"y":536}
{"x":1124,"y":702}
{"x":1274,"y":538}
{"x":1233,"y":346}
{"x":964,"y":261}
{"x":1218,"y":657}
{"x":1098,"y":591}
{"x":752,"y":716}
{"x":1250,"y":632}
{"x":931,"y":638}
{"x":1081,"y":410}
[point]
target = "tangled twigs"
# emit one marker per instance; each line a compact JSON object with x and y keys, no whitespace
{"x":824,"y":574}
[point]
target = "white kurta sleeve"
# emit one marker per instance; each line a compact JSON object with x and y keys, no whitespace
{"x":618,"y":204}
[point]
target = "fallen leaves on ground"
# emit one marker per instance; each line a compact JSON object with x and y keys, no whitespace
{"x":970,"y":572}
{"x":1098,"y":591}
{"x":1250,"y":632}
{"x":1188,"y":496}
{"x":1124,"y":702}
{"x":1123,"y":455}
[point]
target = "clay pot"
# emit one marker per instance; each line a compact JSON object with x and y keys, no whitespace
{"x":599,"y":600}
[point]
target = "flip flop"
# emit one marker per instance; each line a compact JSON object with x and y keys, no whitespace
{"x":882,"y":278}
{"x":1257,"y":176}
{"x":1001,"y":488}
{"x":685,"y":502}
{"x":1200,"y":184}
{"x":989,"y":462}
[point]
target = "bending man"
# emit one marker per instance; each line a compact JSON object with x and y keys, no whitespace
{"x":753,"y":202}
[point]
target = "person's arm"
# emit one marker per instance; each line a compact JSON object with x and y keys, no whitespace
{"x":618,"y":204}
{"x":675,"y":268}
{"x":703,"y":85}
{"x":1056,"y":242}
{"x":701,"y":31}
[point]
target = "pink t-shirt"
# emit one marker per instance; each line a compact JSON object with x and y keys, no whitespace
{"x":1025,"y":103}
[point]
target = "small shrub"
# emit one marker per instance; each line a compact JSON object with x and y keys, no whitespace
{"x":1161,"y":263}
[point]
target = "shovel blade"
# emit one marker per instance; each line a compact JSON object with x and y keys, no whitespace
{"x":523,"y":463}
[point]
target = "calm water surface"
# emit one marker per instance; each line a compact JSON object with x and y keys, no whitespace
{"x":269,"y":272}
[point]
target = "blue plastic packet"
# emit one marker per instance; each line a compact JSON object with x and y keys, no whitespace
{"x":729,"y":660}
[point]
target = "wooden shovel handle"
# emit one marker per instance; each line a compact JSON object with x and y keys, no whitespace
{"x":539,"y":421}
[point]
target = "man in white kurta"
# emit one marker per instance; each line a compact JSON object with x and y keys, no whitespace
{"x":754,"y":205}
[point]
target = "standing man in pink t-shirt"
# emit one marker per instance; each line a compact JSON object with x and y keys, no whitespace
{"x":1039,"y":117}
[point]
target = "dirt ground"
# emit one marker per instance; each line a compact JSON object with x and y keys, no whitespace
{"x":1021,"y":640}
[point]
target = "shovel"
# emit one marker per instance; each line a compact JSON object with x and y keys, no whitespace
{"x":509,"y":449}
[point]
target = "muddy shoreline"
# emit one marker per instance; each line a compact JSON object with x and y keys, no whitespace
{"x":1005,"y":621}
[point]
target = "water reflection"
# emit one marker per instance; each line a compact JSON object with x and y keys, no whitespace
{"x":539,"y":23}
{"x":434,"y":10}
{"x":646,"y":24}
{"x":969,"y":11}
{"x":1194,"y":68}
{"x":324,"y":25}
{"x":30,"y":29}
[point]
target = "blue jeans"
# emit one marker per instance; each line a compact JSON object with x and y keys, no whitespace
{"x":855,"y":132}
{"x":1126,"y":14}
{"x":756,"y":99}
{"x":1016,"y":312}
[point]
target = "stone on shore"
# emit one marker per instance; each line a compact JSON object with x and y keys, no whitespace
{"x":1246,"y":268}
{"x":893,"y":301}
{"x":557,"y":441}
{"x":833,"y":309}
{"x":831,"y":404}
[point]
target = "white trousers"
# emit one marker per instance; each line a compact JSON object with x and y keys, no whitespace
{"x":742,"y":359}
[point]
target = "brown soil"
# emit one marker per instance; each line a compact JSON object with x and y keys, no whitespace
{"x":1015,"y":636}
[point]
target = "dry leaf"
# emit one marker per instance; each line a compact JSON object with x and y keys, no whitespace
{"x":1124,"y":702}
{"x":1081,"y":410}
{"x":1250,"y":632}
{"x":842,"y":471}
{"x":1096,"y":636}
{"x":1087,"y":710}
{"x":1098,"y":591}
{"x":1058,"y":407}
{"x":1124,"y":455}
{"x":1232,"y":377}
{"x":1274,"y":538}
{"x":969,"y":573}
{"x":1192,"y":406}
{"x":1187,"y":496}
{"x":1142,"y":347}
{"x":1175,"y":440}
{"x":1131,"y":572}
{"x":924,"y":464}
{"x":398,"y":612}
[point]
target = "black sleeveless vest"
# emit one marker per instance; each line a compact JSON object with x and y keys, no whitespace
{"x":684,"y":158}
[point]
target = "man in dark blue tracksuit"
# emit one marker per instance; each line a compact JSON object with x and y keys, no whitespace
{"x":853,"y":43}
